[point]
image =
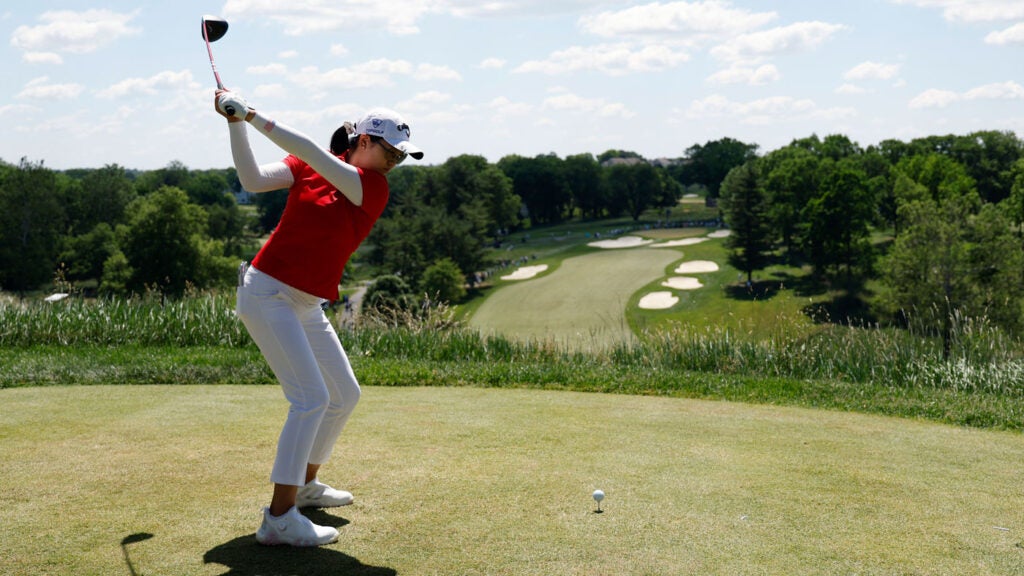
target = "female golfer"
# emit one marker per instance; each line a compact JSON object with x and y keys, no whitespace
{"x":333,"y":201}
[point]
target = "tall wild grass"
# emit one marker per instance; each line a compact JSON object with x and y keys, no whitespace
{"x":981,"y":359}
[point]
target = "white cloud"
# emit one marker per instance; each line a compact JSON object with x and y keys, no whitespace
{"x":272,"y":69}
{"x":872,"y":71}
{"x":434,"y":72}
{"x":1012,"y":35}
{"x":611,"y":59}
{"x":505,"y":8}
{"x":997,"y":91}
{"x":935,"y":98}
{"x":492,"y":64}
{"x":42,"y":58}
{"x":972,"y":10}
{"x":850,"y":89}
{"x":593,"y":106}
{"x":269,"y":91}
{"x":41,"y":89}
{"x":753,"y":47}
{"x":428,"y":100}
{"x":339,"y":50}
{"x":504,"y":107}
{"x":287,"y":54}
{"x":764,"y":111}
{"x":398,"y":17}
{"x":67,"y":31}
{"x":371,"y":74}
{"x":738,"y":74}
{"x":16,"y":110}
{"x":686,"y":23}
{"x":162,"y":82}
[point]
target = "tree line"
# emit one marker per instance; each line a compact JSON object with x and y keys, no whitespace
{"x":166,"y":230}
{"x":928,"y":231}
{"x":952,"y":208}
{"x":123,"y":231}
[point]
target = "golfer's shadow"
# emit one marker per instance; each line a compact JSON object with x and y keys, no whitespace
{"x":244,"y":557}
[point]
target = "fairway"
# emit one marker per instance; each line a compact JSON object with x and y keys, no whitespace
{"x":170,"y":480}
{"x":582,"y":304}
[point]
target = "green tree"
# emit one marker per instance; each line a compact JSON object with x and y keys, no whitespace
{"x":117,"y":275}
{"x":988,"y":157}
{"x":949,"y":265}
{"x":791,"y":179}
{"x":175,"y":174}
{"x":709,"y":164}
{"x":935,"y":176}
{"x":163,"y":242}
{"x":1015,"y":203}
{"x":746,"y":210}
{"x":636,"y":187}
{"x":226,"y":224}
{"x":834,"y":146}
{"x":444,"y":282}
{"x":541,"y":184}
{"x":613,"y":153}
{"x":208,"y":188}
{"x":668,"y":190}
{"x":583,"y":175}
{"x":32,"y":219}
{"x":839,"y":220}
{"x":102,"y":196}
{"x":85,"y":254}
{"x":388,"y":297}
{"x":942,"y":176}
{"x":467,"y":180}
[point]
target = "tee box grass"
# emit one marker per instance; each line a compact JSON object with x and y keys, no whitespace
{"x":469,"y":481}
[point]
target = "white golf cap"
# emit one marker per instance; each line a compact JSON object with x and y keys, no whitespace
{"x":388,"y":125}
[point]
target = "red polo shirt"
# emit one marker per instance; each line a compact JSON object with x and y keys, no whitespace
{"x":319,"y":230}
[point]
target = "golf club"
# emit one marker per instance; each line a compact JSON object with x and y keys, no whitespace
{"x":214,"y":29}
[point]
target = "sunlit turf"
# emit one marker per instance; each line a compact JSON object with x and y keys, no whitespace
{"x":171,"y":480}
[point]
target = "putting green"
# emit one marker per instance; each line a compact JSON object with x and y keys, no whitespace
{"x":171,"y":479}
{"x":582,"y":304}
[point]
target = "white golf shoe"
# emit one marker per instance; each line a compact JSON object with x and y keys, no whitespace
{"x":316,"y":494}
{"x":293,"y":529}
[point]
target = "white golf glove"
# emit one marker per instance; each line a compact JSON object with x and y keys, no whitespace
{"x":232,"y":105}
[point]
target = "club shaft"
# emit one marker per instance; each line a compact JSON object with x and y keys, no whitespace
{"x":213,"y":66}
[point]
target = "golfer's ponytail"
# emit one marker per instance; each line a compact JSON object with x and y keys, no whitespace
{"x":341,"y":138}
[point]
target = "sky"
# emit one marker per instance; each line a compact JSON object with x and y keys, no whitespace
{"x":88,"y":83}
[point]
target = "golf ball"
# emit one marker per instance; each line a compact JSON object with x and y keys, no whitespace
{"x":598,"y":495}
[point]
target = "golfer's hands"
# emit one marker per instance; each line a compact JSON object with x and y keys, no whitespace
{"x":232,"y":106}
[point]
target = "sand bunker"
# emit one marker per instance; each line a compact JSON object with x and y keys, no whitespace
{"x":658,"y":301}
{"x":682,"y":242}
{"x":696,"y":267}
{"x":525,"y":272}
{"x":720,"y":234}
{"x":682,"y":283}
{"x":621,"y":242}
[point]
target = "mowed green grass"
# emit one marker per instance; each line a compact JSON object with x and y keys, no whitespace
{"x":498,"y":482}
{"x":774,"y":303}
{"x":579,"y":304}
{"x":591,"y":301}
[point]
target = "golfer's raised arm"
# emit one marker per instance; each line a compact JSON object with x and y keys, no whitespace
{"x":252,"y":176}
{"x":343,"y":176}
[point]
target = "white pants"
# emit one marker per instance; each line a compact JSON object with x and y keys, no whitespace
{"x":303,"y":350}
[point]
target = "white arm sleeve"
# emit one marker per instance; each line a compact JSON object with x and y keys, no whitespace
{"x":343,"y":176}
{"x":253,"y":177}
